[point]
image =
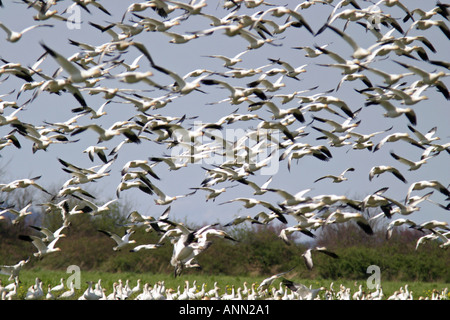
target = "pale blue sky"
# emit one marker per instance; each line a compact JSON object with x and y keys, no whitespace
{"x":187,"y":57}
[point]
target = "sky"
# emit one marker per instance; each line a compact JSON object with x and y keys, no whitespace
{"x":183,"y":58}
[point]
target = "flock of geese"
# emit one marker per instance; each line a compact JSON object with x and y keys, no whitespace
{"x":125,"y":72}
{"x":267,"y":289}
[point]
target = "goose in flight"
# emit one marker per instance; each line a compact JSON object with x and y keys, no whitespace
{"x":341,"y":217}
{"x":280,"y":11}
{"x":241,"y":219}
{"x":109,"y":133}
{"x":164,"y":199}
{"x":269,"y":280}
{"x":285,"y":232}
{"x":229,"y":61}
{"x":212,"y":193}
{"x":301,"y":290}
{"x":19,"y":215}
{"x":377,"y":170}
{"x":429,"y":78}
{"x":150,"y":246}
{"x":423,"y":184}
{"x":334,"y":140}
{"x":52,"y":235}
{"x":120,"y":241}
{"x":258,"y":190}
{"x":397,"y":223}
{"x":410,"y":207}
{"x":427,"y":138}
{"x":13,"y":271}
{"x":399,"y":136}
{"x":22,"y":183}
{"x":337,"y":179}
{"x":43,"y":248}
{"x":142,"y":164}
{"x":394,"y":112}
{"x":307,"y":255}
{"x":413,"y":165}
{"x":14,"y":36}
{"x":75,"y":74}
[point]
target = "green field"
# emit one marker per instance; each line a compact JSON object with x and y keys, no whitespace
{"x":421,"y":290}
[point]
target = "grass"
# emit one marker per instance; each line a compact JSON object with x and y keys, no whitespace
{"x":27,"y":278}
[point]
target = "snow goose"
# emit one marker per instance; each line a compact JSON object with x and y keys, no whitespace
{"x":427,"y":138}
{"x":43,"y":248}
{"x":429,"y":78}
{"x":410,"y":207}
{"x":43,"y":11}
{"x":281,"y":11}
{"x":19,"y":215}
{"x":229,"y":61}
{"x":76,"y":75}
{"x":84,"y":4}
{"x":377,"y":170}
{"x":342,"y":217}
{"x":303,"y":292}
{"x":336,"y":179}
{"x":307,"y":255}
{"x":399,"y":136}
{"x":22,"y":183}
{"x":14,"y":36}
{"x":13,"y":270}
{"x":394,"y":112}
{"x":258,"y":190}
{"x":96,"y":150}
{"x":241,"y":219}
{"x":182,"y":86}
{"x":396,"y":223}
{"x":164,"y":199}
{"x":193,"y":8}
{"x":150,"y":246}
{"x":58,"y":287}
{"x":52,"y":235}
{"x":268,"y":281}
{"x":285,"y":232}
{"x":420,"y":185}
{"x":413,"y":165}
{"x":114,"y":130}
{"x":120,"y":241}
{"x":69,"y":294}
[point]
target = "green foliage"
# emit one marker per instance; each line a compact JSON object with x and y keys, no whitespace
{"x":258,"y":251}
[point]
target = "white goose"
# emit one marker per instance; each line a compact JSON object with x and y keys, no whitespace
{"x":43,"y":248}
{"x":120,"y":241}
{"x":14,"y":36}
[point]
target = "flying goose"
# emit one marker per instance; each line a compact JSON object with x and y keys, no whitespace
{"x":43,"y":248}
{"x":377,"y":170}
{"x":52,"y":235}
{"x":14,"y":36}
{"x":307,"y":255}
{"x":336,"y":179}
{"x":120,"y":241}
